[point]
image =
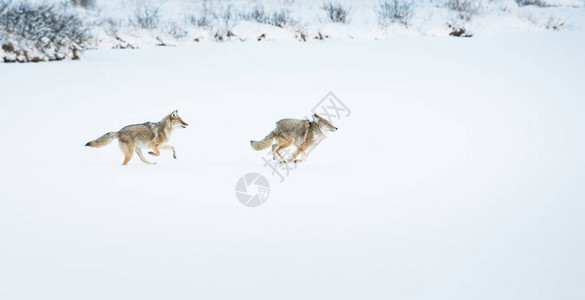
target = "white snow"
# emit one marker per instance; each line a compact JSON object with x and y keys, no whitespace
{"x":458,"y":174}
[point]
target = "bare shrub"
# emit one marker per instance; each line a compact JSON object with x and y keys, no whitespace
{"x":551,"y":23}
{"x":554,"y":23}
{"x":280,"y":18}
{"x":3,"y":6}
{"x":39,"y":32}
{"x":321,"y":36}
{"x":301,"y":35}
{"x":205,"y":18}
{"x":460,"y":32}
{"x":283,"y":19}
{"x":394,"y":11}
{"x":222,"y":36}
{"x":336,"y":13}
{"x":203,"y":21}
{"x":146,"y":17}
{"x":457,"y":27}
{"x":226,"y":19}
{"x":87,"y":4}
{"x":257,"y":14}
{"x":176,"y":31}
{"x":110,"y":25}
{"x":539,"y":3}
{"x":465,"y":9}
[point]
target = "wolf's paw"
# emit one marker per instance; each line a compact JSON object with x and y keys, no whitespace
{"x":298,"y":161}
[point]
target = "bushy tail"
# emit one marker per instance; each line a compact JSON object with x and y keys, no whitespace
{"x":103,"y":140}
{"x":263,"y":144}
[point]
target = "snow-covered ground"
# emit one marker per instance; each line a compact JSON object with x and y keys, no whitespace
{"x":458,"y":174}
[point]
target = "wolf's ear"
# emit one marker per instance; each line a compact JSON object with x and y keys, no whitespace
{"x":175,"y":113}
{"x":315,"y":117}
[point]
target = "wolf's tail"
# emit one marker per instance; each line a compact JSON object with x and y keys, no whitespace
{"x":263,"y":144}
{"x":103,"y":140}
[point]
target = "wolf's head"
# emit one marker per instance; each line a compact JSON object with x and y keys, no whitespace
{"x":324,"y":125}
{"x":176,"y":121}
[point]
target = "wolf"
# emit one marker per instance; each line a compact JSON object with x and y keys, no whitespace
{"x":302,"y":133}
{"x":135,"y":137}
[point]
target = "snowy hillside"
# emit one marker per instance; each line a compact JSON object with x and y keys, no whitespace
{"x":101,"y":24}
{"x":458,"y":174}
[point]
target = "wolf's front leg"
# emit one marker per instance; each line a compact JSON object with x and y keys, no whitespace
{"x":155,"y":149}
{"x":167,"y":147}
{"x":302,"y":159}
{"x":300,"y":150}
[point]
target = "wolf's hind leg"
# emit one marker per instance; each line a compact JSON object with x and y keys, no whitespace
{"x":142,"y":158}
{"x":274,"y":146}
{"x":128,"y":150}
{"x":169,"y":147}
{"x":282,"y":143}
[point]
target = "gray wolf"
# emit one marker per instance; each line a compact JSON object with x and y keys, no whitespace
{"x":147,"y":135}
{"x":301,"y":133}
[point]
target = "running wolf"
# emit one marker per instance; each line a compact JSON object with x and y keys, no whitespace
{"x":147,"y":135}
{"x":302,"y":133}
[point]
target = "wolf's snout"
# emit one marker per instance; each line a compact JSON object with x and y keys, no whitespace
{"x":184,"y":125}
